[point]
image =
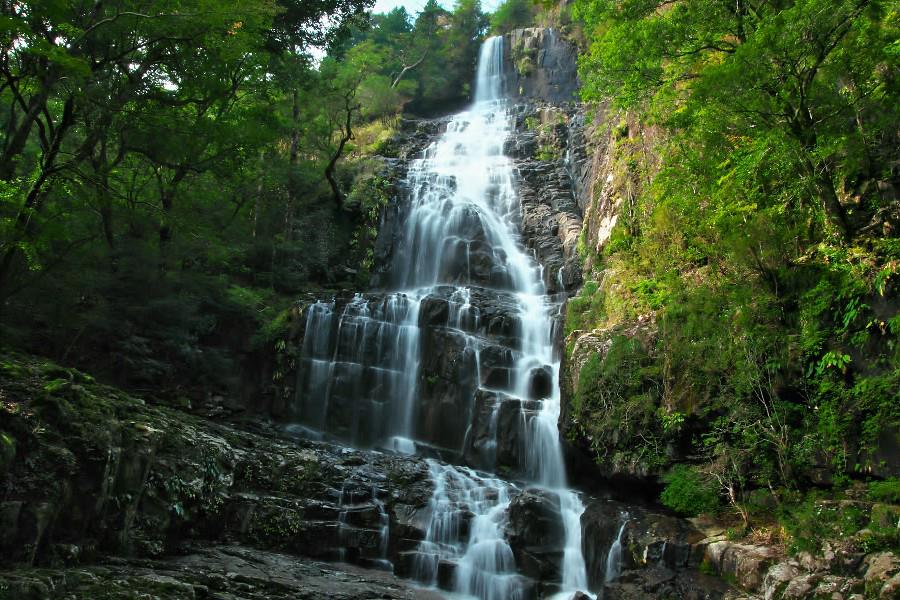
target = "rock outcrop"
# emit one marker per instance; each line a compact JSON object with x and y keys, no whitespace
{"x":103,"y":491}
{"x":544,"y":146}
{"x":766,"y":574}
{"x":94,"y":471}
{"x":665,"y":556}
{"x":539,"y":64}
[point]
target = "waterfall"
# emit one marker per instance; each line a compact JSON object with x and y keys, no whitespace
{"x":614,"y":557}
{"x":489,"y":77}
{"x":465,"y":535}
{"x":359,"y":369}
{"x":460,"y":244}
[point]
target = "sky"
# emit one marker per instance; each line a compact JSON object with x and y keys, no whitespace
{"x":414,"y":6}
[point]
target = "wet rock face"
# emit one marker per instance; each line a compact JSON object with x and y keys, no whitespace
{"x":659,"y":582}
{"x":649,"y":540}
{"x":539,"y":64}
{"x":535,"y":532}
{"x":412,"y":139}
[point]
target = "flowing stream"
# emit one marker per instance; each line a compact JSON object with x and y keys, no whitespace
{"x":461,"y":234}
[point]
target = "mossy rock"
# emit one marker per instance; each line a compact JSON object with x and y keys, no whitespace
{"x":885,"y":515}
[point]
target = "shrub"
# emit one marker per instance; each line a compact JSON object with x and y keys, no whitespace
{"x":688,"y":492}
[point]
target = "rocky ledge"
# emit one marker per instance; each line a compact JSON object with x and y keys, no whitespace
{"x":765,"y":573}
{"x":213,"y":573}
{"x":105,"y":496}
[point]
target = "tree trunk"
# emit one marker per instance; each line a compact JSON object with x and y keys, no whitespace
{"x":24,"y":225}
{"x":16,"y":143}
{"x":346,"y":136}
{"x":406,"y":69}
{"x":292,"y":167}
{"x":832,"y":204}
{"x":167,"y":201}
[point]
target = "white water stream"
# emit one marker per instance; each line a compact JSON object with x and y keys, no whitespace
{"x":614,"y":557}
{"x":462,"y":231}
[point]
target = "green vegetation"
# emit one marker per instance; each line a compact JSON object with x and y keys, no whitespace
{"x":687,"y":492}
{"x":811,"y":520}
{"x":175,"y":175}
{"x":424,"y":65}
{"x":885,"y":491}
{"x":513,"y":14}
{"x":761,"y":241}
{"x":162,"y":208}
{"x":548,"y":126}
{"x":616,"y":401}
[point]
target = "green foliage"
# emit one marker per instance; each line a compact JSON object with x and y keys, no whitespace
{"x":707,"y":568}
{"x":885,"y":491}
{"x":752,"y":228}
{"x":7,"y":451}
{"x":815,"y":519}
{"x":424,"y":64}
{"x":371,"y":192}
{"x":616,"y":403}
{"x":157,"y":221}
{"x":549,"y":148}
{"x":706,"y":70}
{"x":585,"y":309}
{"x":688,"y":492}
{"x":513,"y":14}
{"x":879,"y":539}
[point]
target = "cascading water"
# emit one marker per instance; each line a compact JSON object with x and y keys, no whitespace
{"x":363,"y":526}
{"x":464,"y":185}
{"x":357,"y":373}
{"x":614,"y":557}
{"x":460,"y":239}
{"x":465,"y":535}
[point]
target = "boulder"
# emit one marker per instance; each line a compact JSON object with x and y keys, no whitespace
{"x":746,"y":563}
{"x":540,"y":383}
{"x":535,"y":532}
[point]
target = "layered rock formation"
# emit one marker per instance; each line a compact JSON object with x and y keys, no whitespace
{"x":222,"y":572}
{"x":547,"y":148}
{"x":93,"y":471}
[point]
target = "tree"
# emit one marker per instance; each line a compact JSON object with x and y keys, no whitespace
{"x":512,"y":14}
{"x":468,"y":26}
{"x":779,"y":73}
{"x":63,"y":66}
